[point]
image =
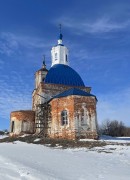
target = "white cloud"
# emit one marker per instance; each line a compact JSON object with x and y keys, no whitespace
{"x":100,"y":25}
{"x":8,"y":45}
{"x":13,"y":96}
{"x":114,"y":106}
{"x":15,"y":88}
{"x":11,"y":43}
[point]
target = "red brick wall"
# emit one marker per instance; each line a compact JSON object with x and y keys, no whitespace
{"x":73,"y":104}
{"x":90,"y":106}
{"x":27,"y":115}
{"x":57,"y":106}
{"x":24,"y":122}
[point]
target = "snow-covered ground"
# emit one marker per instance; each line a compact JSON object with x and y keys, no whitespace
{"x":110,"y":139}
{"x":3,"y":136}
{"x":22,"y":161}
{"x":115,"y":139}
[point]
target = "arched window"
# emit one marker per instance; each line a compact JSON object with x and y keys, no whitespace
{"x":64,"y":118}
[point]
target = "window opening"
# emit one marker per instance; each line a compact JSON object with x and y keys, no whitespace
{"x":12,"y":126}
{"x":55,"y":56}
{"x":66,"y":58}
{"x":64,"y":118}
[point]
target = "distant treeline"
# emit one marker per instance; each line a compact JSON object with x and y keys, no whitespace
{"x":114,"y":128}
{"x":4,"y":132}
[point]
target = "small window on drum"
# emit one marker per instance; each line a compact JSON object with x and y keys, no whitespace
{"x":56,"y":56}
{"x":66,"y":58}
{"x":64,"y":118}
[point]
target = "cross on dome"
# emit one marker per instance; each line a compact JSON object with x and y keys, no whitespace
{"x":60,"y":36}
{"x":44,"y":62}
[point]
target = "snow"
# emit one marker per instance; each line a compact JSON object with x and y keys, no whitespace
{"x":110,"y":139}
{"x":24,"y":135}
{"x":22,"y":161}
{"x":115,"y":139}
{"x":3,"y":136}
{"x":36,"y":140}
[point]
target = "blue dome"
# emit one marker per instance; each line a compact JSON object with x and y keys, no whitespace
{"x":63,"y":74}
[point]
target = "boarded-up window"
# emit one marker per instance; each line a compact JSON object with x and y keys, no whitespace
{"x":25,"y":126}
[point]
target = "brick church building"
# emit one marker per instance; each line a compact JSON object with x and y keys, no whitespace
{"x":62,"y":106}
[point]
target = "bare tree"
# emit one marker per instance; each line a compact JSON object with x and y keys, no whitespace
{"x":112,"y":128}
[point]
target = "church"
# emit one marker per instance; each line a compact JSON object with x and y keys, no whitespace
{"x":62,"y":106}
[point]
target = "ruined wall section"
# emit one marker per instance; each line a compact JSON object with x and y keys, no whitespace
{"x":85,"y":117}
{"x":22,"y":122}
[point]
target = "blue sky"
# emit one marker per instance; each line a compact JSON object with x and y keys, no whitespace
{"x":97,"y":33}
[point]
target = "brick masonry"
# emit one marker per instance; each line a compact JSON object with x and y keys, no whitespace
{"x":49,"y":90}
{"x":22,"y":122}
{"x":82,"y":117}
{"x":82,"y":121}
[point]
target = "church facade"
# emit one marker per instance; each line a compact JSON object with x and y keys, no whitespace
{"x":62,"y":106}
